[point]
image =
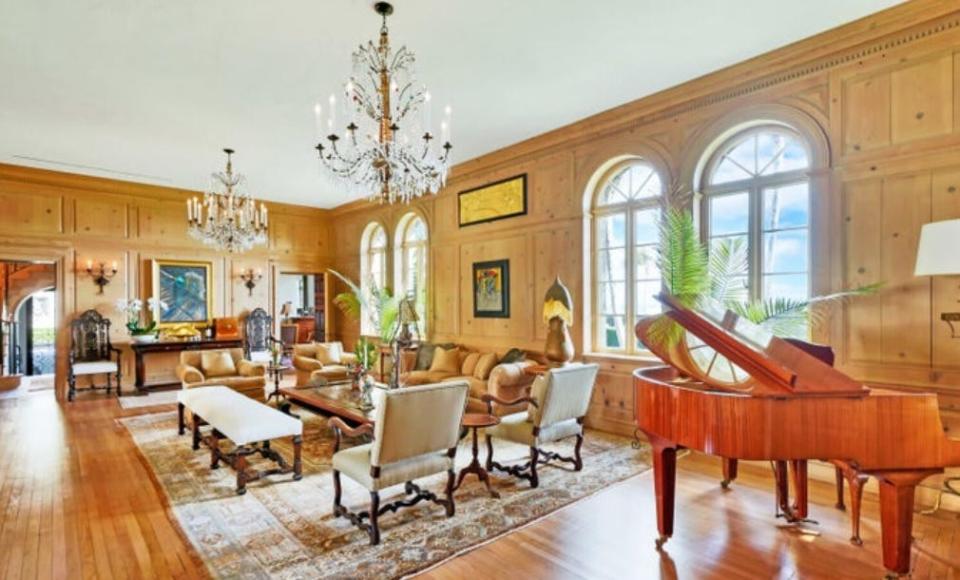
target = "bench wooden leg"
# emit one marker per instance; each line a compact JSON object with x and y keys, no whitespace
{"x":181,"y":427}
{"x":297,"y":463}
{"x":196,"y":432}
{"x":214,"y":441}
{"x":240,"y":464}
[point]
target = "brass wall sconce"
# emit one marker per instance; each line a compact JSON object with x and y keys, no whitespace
{"x":250,"y":278}
{"x":101,"y":275}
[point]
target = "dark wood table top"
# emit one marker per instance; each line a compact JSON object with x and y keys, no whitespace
{"x":337,"y":400}
{"x":478,"y":420}
{"x":179,"y":345}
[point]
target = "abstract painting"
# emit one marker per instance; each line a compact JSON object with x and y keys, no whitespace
{"x":491,"y":289}
{"x":185,"y":289}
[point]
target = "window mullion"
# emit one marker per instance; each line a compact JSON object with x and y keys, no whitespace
{"x":631,"y":284}
{"x":756,"y":242}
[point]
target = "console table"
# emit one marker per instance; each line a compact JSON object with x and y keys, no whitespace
{"x":143,"y":348}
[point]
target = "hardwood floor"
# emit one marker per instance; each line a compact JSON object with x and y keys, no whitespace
{"x":77,"y":501}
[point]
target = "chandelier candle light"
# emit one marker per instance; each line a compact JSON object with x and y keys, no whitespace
{"x":229,"y":220}
{"x":381,"y":146}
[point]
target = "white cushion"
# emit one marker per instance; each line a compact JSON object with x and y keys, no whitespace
{"x":355,"y":463}
{"x":261,"y":356}
{"x":240,"y":418}
{"x":94,"y":368}
{"x":518,"y":427}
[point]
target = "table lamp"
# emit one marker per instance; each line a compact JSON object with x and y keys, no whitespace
{"x":938,"y":255}
{"x":558,"y":314}
{"x":406,"y":316}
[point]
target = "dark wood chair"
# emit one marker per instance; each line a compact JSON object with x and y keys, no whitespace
{"x":258,"y":336}
{"x":91,"y":352}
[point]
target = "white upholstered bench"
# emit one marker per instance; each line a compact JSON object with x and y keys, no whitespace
{"x":249,"y":424}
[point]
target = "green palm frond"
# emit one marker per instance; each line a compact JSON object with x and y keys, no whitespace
{"x":682,"y":258}
{"x":728,"y":265}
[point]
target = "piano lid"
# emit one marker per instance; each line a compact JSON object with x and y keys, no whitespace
{"x":777,"y":367}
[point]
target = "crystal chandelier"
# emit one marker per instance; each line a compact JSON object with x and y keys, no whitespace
{"x":229,"y":219}
{"x":382,"y":147}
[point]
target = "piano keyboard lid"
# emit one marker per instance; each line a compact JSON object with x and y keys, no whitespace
{"x":777,"y":367}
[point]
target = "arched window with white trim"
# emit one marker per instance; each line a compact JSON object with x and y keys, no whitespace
{"x":627,"y":208}
{"x":756,"y":192}
{"x":411,"y":262}
{"x":373,"y":270}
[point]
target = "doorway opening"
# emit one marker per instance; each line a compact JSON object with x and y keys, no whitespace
{"x":28,"y":305}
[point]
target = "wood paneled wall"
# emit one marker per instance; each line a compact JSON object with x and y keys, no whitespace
{"x":878,"y":97}
{"x":68,"y":219}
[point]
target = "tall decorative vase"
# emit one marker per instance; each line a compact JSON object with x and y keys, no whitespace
{"x":559,"y":347}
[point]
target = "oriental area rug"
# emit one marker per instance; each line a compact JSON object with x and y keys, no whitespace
{"x":285,"y":529}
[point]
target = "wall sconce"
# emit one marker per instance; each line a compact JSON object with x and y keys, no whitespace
{"x":101,"y":275}
{"x":250,"y":278}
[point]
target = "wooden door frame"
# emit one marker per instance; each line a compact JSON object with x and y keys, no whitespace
{"x":65,"y":303}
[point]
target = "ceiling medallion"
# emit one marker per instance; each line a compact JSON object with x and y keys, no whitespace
{"x":382,"y":146}
{"x":228,"y":219}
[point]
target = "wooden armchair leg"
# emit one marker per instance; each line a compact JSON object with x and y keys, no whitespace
{"x":109,"y":383}
{"x":374,"y":518}
{"x":451,"y":508}
{"x":534,"y":459}
{"x":577,"y":459}
{"x":337,"y":492}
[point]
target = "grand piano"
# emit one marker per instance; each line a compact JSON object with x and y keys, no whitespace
{"x":733,"y":390}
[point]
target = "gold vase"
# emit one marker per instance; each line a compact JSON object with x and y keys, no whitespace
{"x":559,"y":347}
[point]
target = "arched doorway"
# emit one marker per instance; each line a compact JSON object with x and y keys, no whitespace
{"x":36,"y":329}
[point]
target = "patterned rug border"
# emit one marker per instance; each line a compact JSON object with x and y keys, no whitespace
{"x":168,"y":501}
{"x":532,"y":522}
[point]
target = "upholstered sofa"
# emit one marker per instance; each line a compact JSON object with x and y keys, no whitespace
{"x":227,"y":367}
{"x":326,"y":359}
{"x":505,"y":381}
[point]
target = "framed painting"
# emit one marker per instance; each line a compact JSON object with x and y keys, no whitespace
{"x":495,"y":201}
{"x":491,"y":289}
{"x":186,"y":290}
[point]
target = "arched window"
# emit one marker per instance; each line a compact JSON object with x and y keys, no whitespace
{"x":626,"y":215}
{"x":757,"y":193}
{"x":411,"y":263}
{"x":373,"y":270}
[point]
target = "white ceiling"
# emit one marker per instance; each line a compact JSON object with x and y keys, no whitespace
{"x":151,"y":90}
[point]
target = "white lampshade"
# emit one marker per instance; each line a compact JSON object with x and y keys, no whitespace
{"x":939,"y":251}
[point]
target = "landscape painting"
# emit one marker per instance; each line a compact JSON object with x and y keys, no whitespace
{"x":491,"y":289}
{"x":184,"y":289}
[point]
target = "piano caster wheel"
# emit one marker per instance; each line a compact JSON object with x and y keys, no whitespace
{"x":856,"y":541}
{"x":725,"y":484}
{"x":661,"y":541}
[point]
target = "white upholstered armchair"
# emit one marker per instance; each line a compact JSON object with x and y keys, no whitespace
{"x":415,"y":434}
{"x":557,"y":405}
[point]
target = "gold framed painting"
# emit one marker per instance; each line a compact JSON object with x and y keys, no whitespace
{"x":494,"y":201}
{"x":185,"y":289}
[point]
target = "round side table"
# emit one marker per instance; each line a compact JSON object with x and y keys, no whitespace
{"x":475,"y":422}
{"x":276,"y":371}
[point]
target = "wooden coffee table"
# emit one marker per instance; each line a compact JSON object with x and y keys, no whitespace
{"x":336,"y":400}
{"x":475,"y":422}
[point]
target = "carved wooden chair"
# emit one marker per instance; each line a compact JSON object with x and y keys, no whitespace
{"x":405,"y":447}
{"x":258,"y":337}
{"x":557,"y":405}
{"x":91,"y":352}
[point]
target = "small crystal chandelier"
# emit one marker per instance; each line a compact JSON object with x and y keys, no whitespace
{"x":383,"y":147}
{"x":229,"y":220}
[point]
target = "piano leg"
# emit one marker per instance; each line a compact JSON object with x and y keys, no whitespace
{"x":896,"y":515}
{"x":729,"y":472}
{"x":664,"y":484}
{"x":800,"y":505}
{"x":839,"y":475}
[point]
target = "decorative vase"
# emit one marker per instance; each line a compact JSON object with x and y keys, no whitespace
{"x":143,"y":338}
{"x":559,"y":347}
{"x":366,"y":393}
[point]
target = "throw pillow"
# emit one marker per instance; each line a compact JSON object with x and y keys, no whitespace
{"x":424,"y":356}
{"x":485,"y":364}
{"x":513,"y":355}
{"x":217,"y":363}
{"x":469,"y":364}
{"x":329,"y":353}
{"x":445,"y":360}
